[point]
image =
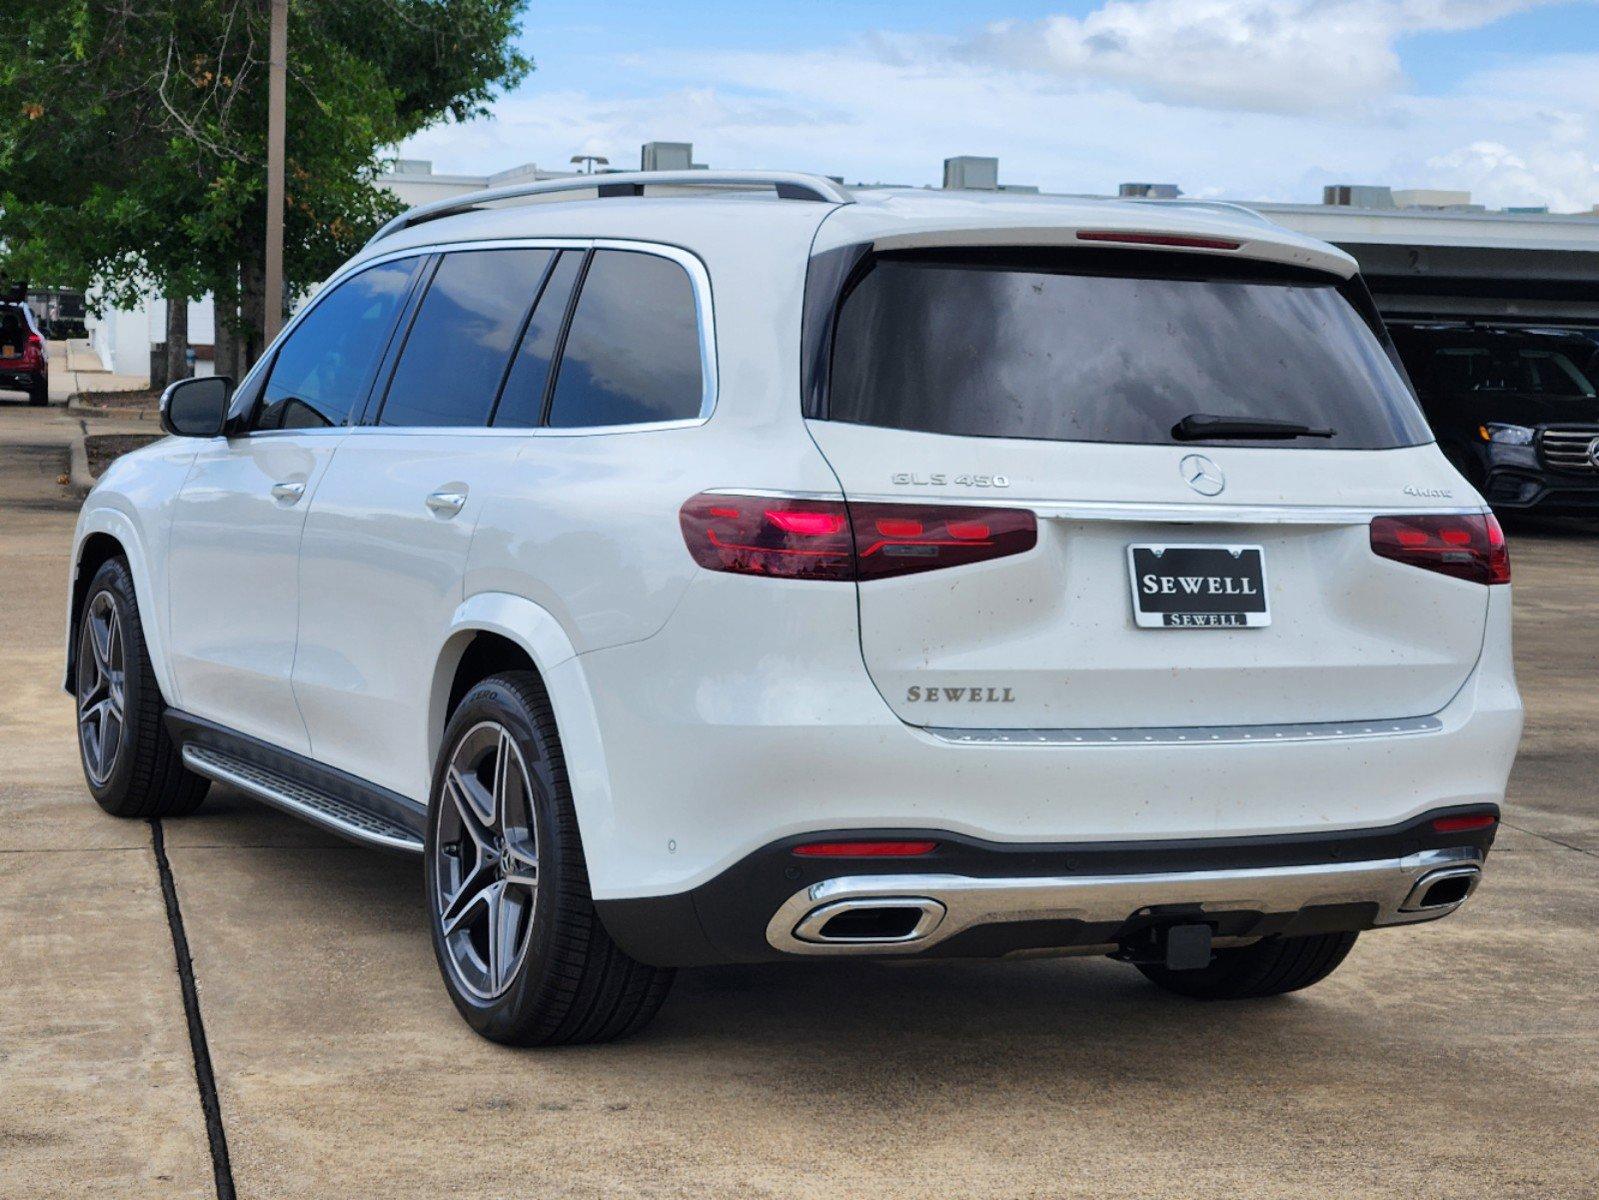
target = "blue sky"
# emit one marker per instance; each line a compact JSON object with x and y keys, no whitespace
{"x":1261,"y":99}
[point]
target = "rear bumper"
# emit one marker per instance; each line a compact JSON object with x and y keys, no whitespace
{"x":22,"y":380}
{"x":789,"y":738}
{"x":862,"y":914}
{"x":970,"y":898}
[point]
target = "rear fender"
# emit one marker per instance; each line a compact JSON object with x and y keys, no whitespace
{"x":541,"y":636}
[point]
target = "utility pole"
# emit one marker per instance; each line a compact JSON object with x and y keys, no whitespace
{"x":277,"y":67}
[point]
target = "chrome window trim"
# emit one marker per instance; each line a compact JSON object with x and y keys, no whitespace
{"x":704,"y":311}
{"x":480,"y":431}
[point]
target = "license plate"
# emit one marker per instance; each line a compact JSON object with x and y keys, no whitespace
{"x":1199,"y":587}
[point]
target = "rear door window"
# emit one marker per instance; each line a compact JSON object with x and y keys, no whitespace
{"x":325,"y":366}
{"x":522,"y":400}
{"x":459,"y":346}
{"x":632,"y":354}
{"x":1072,"y":348}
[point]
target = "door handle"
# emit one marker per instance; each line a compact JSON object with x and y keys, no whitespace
{"x":288,"y":492}
{"x":446,"y":504}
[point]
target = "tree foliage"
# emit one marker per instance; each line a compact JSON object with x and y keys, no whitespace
{"x":133,"y":132}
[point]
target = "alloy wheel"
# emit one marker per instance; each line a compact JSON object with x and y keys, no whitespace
{"x":486,"y":865}
{"x":101,"y":680}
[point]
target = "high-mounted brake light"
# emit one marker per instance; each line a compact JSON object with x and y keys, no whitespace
{"x":907,"y":849}
{"x":829,"y":539}
{"x":1157,"y":239}
{"x":1470,"y":546}
{"x":1465,"y":823}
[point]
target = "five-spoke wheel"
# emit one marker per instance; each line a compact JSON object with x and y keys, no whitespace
{"x":486,"y":860}
{"x":101,"y":687}
{"x":523,"y":952}
{"x":130,"y":762}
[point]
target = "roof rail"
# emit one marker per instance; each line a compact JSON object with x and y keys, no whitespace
{"x":789,"y":185}
{"x":1221,"y":206}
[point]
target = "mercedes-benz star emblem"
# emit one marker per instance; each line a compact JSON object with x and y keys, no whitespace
{"x":1593,"y":452}
{"x":1202,"y":475}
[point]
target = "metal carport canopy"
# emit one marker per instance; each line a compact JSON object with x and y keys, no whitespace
{"x":1525,"y":268}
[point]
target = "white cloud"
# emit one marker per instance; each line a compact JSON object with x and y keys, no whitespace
{"x":1265,"y":55}
{"x":892,"y":108}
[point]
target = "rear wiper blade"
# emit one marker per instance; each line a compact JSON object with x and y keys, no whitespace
{"x":1196,"y":427}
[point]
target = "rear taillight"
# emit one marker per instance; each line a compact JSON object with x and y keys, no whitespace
{"x":829,"y":539}
{"x":1470,"y":547}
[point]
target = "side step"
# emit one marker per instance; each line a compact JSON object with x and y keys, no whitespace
{"x":335,"y":815}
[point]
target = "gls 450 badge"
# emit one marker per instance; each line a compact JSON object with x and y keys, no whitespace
{"x":912,"y":479}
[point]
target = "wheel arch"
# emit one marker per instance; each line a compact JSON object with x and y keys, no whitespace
{"x":104,"y":534}
{"x":496,"y":631}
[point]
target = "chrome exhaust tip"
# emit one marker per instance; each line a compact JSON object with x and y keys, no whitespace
{"x":867,"y":922}
{"x":1443,"y":889}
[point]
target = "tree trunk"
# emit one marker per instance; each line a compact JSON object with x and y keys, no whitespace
{"x":225,"y":316}
{"x":177,"y":337}
{"x":252,"y":313}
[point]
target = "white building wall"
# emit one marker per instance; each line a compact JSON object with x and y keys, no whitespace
{"x":122,"y":337}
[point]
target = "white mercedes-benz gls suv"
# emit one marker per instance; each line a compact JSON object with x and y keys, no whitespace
{"x":706,"y":568}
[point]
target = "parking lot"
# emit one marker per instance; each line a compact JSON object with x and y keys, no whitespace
{"x":1457,"y":1059}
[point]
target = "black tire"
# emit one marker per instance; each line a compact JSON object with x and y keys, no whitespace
{"x":39,"y":394}
{"x":571,"y":984}
{"x":1270,"y":967}
{"x":145,"y":777}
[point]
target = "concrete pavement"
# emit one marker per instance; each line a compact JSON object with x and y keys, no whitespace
{"x":97,"y":1090}
{"x":75,"y":368}
{"x":1457,"y":1059}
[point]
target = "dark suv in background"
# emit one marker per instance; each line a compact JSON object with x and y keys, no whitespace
{"x":24,"y":360}
{"x":1514,"y":409}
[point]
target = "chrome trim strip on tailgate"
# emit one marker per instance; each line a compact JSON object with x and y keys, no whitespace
{"x":1117,"y":510}
{"x":1111,"y":899}
{"x":1189,"y":735}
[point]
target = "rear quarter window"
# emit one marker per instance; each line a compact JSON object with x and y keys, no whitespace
{"x":632,"y":353}
{"x":1072,"y":346}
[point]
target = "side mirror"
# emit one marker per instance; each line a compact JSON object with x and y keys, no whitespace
{"x":196,"y":407}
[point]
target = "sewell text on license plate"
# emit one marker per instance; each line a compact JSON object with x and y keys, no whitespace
{"x":1198,"y":587}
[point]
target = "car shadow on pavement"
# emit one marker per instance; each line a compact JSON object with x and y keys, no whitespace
{"x":935,"y":1021}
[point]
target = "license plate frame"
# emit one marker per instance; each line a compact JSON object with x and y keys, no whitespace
{"x":1190,"y":592}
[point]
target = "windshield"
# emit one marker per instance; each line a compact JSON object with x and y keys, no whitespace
{"x":1035,"y":346}
{"x":1509,"y":369}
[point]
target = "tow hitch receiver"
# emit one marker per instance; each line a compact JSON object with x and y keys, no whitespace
{"x":1187,"y":947}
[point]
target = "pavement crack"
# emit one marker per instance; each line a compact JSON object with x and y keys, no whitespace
{"x":204,"y":1076}
{"x":1548,"y":838}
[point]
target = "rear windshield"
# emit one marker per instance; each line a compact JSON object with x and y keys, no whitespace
{"x":1053,"y":349}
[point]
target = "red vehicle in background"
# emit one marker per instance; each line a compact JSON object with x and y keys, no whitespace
{"x":24,"y":358}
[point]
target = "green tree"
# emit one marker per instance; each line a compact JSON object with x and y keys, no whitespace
{"x":133,"y":137}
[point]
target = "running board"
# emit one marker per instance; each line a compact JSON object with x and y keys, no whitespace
{"x":280,"y":791}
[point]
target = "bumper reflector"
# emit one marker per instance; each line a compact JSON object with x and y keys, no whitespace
{"x":1464,"y":823}
{"x":865,"y":849}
